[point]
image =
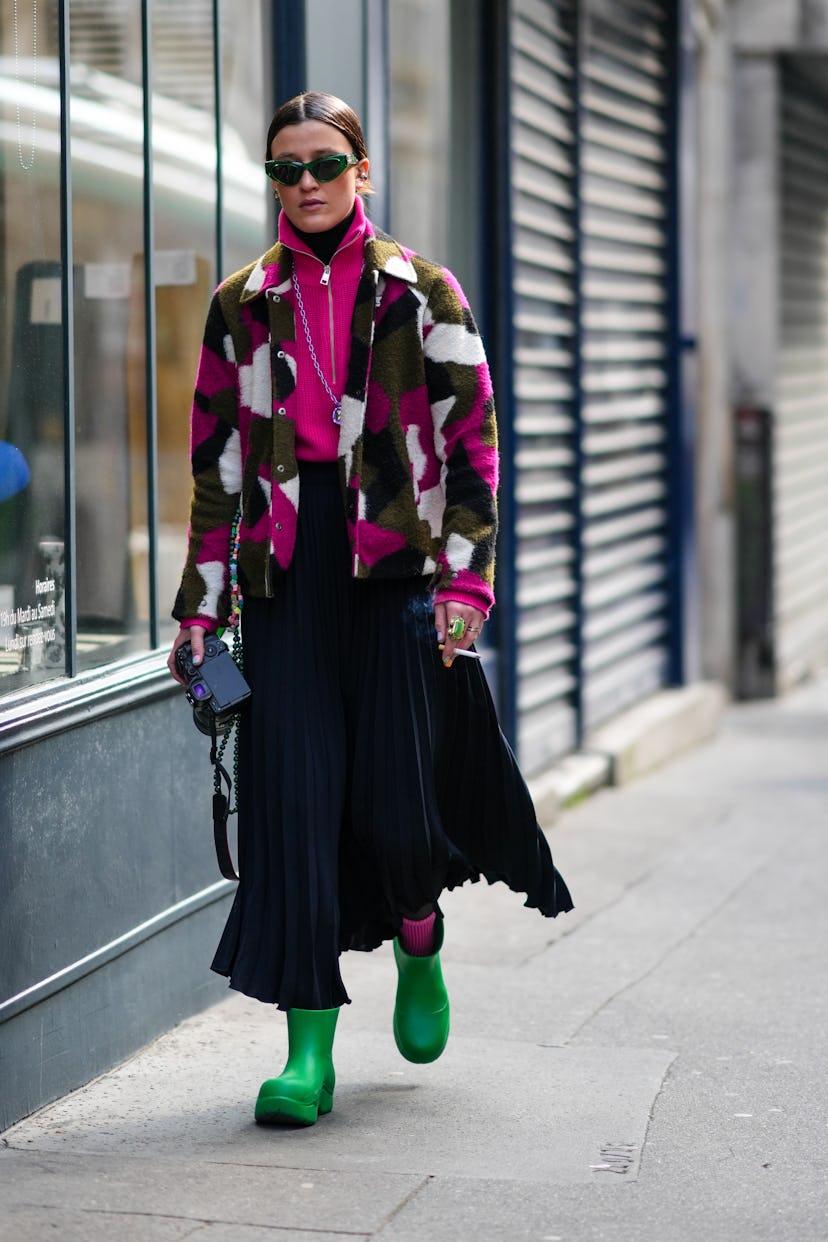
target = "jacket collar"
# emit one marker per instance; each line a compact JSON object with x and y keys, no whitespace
{"x":382,"y":255}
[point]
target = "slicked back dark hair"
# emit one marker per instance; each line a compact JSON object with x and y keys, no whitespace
{"x":319,"y":106}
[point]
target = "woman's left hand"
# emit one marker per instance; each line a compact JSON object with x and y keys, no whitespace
{"x":447,"y":613}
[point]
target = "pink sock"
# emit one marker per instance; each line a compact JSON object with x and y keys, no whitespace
{"x":417,"y":936}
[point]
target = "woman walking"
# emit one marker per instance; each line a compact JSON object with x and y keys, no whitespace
{"x":343,"y":404}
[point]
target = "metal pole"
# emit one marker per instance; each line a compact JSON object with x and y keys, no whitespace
{"x":581,"y":18}
{"x":289,"y":48}
{"x":217,"y":97}
{"x":498,"y":228}
{"x":67,"y":291}
{"x":149,"y":326}
{"x":681,"y":345}
{"x":376,"y":92}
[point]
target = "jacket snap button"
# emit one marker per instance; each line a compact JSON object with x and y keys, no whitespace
{"x":278,"y":525}
{"x":281,"y":354}
{"x":281,"y":410}
{"x":280,"y":469}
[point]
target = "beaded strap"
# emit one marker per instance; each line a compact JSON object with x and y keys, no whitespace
{"x":236,"y":599}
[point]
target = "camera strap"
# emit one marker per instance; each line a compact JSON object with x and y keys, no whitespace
{"x":221,"y":809}
{"x":221,"y":801}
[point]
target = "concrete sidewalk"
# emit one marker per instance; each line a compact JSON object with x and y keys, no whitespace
{"x":651,"y":1067}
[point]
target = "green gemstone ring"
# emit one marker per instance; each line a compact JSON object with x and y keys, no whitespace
{"x":456,"y":628}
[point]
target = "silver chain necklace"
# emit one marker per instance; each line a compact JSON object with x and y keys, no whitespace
{"x":336,"y":412}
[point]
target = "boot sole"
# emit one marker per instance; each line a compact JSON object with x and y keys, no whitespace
{"x":282,"y":1110}
{"x":418,"y":1056}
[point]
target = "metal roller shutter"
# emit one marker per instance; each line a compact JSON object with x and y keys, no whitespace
{"x":544,"y":324}
{"x":624,"y":186}
{"x":800,"y":435}
{"x":590,"y":173}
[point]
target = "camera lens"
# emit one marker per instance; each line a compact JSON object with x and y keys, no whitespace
{"x":205,"y":721}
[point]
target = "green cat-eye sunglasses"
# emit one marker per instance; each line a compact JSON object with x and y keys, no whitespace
{"x":323,"y":168}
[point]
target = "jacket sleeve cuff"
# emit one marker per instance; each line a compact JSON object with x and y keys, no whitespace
{"x":203,"y":622}
{"x":446,"y":595}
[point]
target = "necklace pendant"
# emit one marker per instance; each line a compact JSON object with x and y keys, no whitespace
{"x":336,"y":413}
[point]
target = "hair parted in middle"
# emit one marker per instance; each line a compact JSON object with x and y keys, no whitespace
{"x":320,"y":106}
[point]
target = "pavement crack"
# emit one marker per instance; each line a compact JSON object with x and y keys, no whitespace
{"x":406,"y":1199}
{"x":205,"y":1222}
{"x":677,"y":944}
{"x":643,"y":1153}
{"x":571,"y":928}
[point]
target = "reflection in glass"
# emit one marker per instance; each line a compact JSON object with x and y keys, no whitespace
{"x":184,"y":194}
{"x":184,"y":202}
{"x":247,"y":105}
{"x":112,"y":509}
{"x":107,"y":137}
{"x":419,"y":121}
{"x":32,"y":646}
{"x":434,"y":128}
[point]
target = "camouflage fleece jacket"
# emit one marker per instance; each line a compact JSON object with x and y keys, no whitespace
{"x":417,"y":443}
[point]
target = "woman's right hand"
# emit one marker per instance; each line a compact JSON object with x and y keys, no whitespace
{"x":195,"y":635}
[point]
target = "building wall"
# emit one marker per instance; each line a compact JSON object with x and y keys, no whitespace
{"x":110,"y":907}
{"x":773,"y":26}
{"x":710,"y":221}
{"x":754,"y":569}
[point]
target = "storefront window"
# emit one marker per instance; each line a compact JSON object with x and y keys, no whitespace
{"x":184,"y":266}
{"x":32,"y":646}
{"x":434,"y":128}
{"x":107,"y":168}
{"x":185,"y":172}
{"x":130,"y":489}
{"x":247,"y":104}
{"x":419,"y":40}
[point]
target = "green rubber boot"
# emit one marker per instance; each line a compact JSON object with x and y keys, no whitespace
{"x":421,"y":1012}
{"x":305,"y":1087}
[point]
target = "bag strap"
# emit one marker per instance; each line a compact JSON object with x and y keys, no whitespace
{"x":221,"y":807}
{"x":221,"y":801}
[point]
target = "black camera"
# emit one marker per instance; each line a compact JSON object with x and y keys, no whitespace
{"x":215,"y":687}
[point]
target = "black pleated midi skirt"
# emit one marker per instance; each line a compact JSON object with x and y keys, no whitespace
{"x":371,"y":778}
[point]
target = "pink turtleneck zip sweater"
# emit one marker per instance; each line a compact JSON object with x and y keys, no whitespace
{"x":328,"y":295}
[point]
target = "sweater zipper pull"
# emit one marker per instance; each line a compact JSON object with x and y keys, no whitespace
{"x":325,"y":278}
